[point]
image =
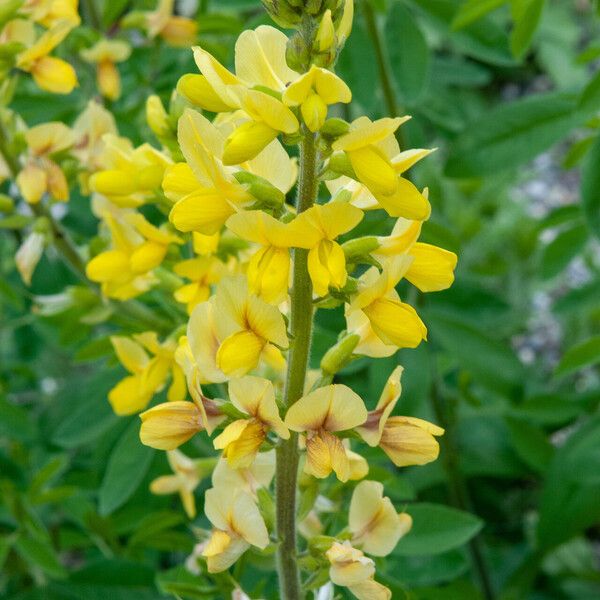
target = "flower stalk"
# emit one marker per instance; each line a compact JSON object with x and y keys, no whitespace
{"x":301,"y":323}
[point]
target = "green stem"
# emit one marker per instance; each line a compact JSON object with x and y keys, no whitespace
{"x":393,"y":109}
{"x":301,"y":322}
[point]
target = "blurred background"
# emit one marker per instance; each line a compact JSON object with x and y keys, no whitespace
{"x":508,"y":91}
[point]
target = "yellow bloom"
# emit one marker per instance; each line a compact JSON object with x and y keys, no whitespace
{"x":320,"y":413}
{"x":269,"y":268}
{"x":105,"y":54}
{"x":373,"y":521}
{"x":170,"y":424}
{"x":431,"y":269}
{"x":245,"y":325}
{"x":352,"y":569}
{"x":50,"y":73}
{"x":203,"y":272}
{"x":148,"y":375}
{"x":124,"y":271}
{"x":314,"y":92}
{"x":410,"y":441}
{"x":49,"y":12}
{"x":316,"y":230}
{"x":372,"y":429}
{"x":89,"y":129}
{"x":184,"y":481}
{"x":249,"y":479}
{"x":383,"y":320}
{"x":378,"y":164}
{"x":40,"y":173}
{"x":260,"y":62}
{"x":175,"y":30}
{"x":241,"y":439}
{"x":238,"y":525}
{"x":129,"y":176}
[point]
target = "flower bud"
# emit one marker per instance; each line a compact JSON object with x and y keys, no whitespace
{"x":266,"y":194}
{"x":338,"y":356}
{"x":29,"y":254}
{"x":359,"y":249}
{"x":297,"y":53}
{"x":157,"y":117}
{"x":7,"y":204}
{"x":334,"y":127}
{"x":325,"y":38}
{"x":340,"y":163}
{"x":284,"y":13}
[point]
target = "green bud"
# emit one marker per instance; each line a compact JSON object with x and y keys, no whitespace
{"x":134,"y":19}
{"x":297,"y":53}
{"x":340,"y":163}
{"x":321,"y":543}
{"x":42,"y":225}
{"x":266,"y":194}
{"x":205,"y":466}
{"x":335,"y":127}
{"x":338,"y":356}
{"x":283,"y":13}
{"x":313,"y":7}
{"x":266,"y":505}
{"x":229,"y":410}
{"x":359,"y":249}
{"x":167,"y":279}
{"x":7,"y":204}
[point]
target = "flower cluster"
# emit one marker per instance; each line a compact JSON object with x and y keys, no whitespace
{"x":209,"y":223}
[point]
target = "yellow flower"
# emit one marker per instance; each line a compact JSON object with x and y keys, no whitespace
{"x":175,"y":30}
{"x":377,"y":162}
{"x":245,"y":326}
{"x":49,"y":12}
{"x":184,"y":481}
{"x":431,"y":269}
{"x":316,"y":230}
{"x":352,"y":569}
{"x":372,"y":429}
{"x":89,"y":128}
{"x":406,"y":440}
{"x":241,"y":439}
{"x":148,"y":375}
{"x":383,"y":321}
{"x":260,"y":62}
{"x":320,"y":413}
{"x":238,"y":525}
{"x":249,"y":479}
{"x":124,"y":271}
{"x":269,"y":268}
{"x":314,"y":92}
{"x":40,"y":173}
{"x":128,"y":176}
{"x":410,"y":441}
{"x":203,"y":272}
{"x":170,"y":424}
{"x":373,"y":521}
{"x":105,"y":54}
{"x":50,"y":73}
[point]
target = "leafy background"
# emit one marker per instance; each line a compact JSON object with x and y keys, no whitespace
{"x":509,"y":93}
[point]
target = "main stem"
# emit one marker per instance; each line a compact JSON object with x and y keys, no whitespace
{"x":301,"y":321}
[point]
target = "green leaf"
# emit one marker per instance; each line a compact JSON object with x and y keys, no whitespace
{"x":590,"y":188}
{"x":512,"y":134}
{"x":562,"y":250}
{"x":127,"y":466}
{"x":550,"y":409}
{"x":582,"y":355}
{"x":472,"y":10}
{"x":590,"y":97}
{"x":488,"y":359}
{"x":569,"y":502}
{"x":436,"y":529}
{"x":409,"y":53}
{"x":92,"y":415}
{"x":415,"y":571}
{"x":579,"y":299}
{"x":525,"y":27}
{"x":38,"y":552}
{"x":15,"y":422}
{"x":530,"y":443}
